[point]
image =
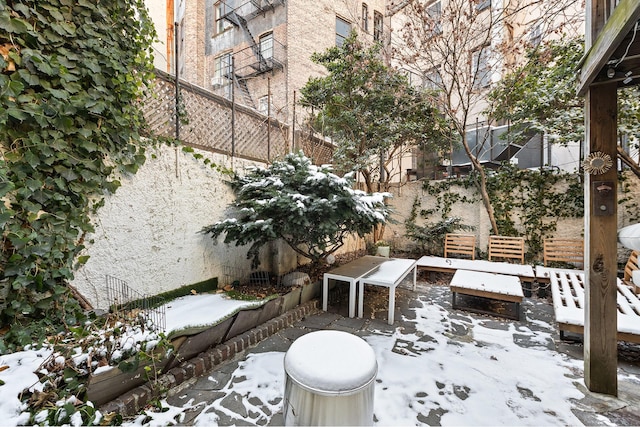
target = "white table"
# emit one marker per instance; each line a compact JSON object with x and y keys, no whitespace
{"x":351,"y":273}
{"x":494,"y":286}
{"x":388,"y":274}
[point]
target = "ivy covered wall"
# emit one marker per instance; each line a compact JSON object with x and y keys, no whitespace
{"x":537,"y":207}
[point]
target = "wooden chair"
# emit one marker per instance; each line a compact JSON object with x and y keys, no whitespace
{"x":569,"y":251}
{"x":506,"y":248}
{"x":461,"y":244}
{"x":629,"y":268}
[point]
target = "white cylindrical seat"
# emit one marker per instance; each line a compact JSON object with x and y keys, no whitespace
{"x":330,"y":380}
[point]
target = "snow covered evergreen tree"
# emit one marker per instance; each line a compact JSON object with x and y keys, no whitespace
{"x":307,"y":206}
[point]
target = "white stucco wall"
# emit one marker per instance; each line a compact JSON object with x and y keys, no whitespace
{"x":147,"y":233}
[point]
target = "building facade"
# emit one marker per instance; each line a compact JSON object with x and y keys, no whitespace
{"x":461,"y":48}
{"x":257,"y":53}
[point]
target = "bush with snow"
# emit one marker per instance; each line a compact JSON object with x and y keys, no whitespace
{"x":309,"y":207}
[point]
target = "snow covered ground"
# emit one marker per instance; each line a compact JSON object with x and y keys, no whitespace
{"x":485,"y":375}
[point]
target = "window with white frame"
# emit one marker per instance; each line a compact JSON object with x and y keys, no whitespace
{"x":433,"y":79}
{"x":263,"y":104}
{"x":378,"y":26}
{"x":343,"y":28}
{"x":266,"y":45}
{"x":480,"y":67}
{"x":434,"y":10}
{"x":222,"y":69}
{"x":365,"y":17}
{"x":220,"y":24}
{"x":413,"y":78}
{"x":535,"y":36}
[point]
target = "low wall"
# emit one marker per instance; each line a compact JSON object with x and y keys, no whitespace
{"x":128,"y":392}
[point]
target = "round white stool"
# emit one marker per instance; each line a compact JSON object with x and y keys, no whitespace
{"x":329,"y":380}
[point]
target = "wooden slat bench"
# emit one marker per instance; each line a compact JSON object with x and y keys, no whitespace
{"x":451,"y":265}
{"x":629,"y":268}
{"x":460,"y":244}
{"x":506,"y":248}
{"x":567,"y":251}
{"x":567,"y":289}
{"x":499,"y":287}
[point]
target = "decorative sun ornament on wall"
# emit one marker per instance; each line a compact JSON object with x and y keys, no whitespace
{"x":597,"y":163}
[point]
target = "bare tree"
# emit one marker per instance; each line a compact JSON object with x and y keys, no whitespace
{"x":459,"y":48}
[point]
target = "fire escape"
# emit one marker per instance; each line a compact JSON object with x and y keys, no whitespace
{"x":259,"y":57}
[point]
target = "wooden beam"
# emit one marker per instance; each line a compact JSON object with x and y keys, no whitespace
{"x":620,"y":23}
{"x":600,"y":338}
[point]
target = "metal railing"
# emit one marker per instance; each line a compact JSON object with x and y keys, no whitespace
{"x":126,"y":302}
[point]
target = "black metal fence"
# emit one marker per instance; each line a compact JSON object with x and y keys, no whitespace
{"x":126,"y":302}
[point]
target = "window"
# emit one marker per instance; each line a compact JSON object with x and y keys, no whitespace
{"x":266,"y":45}
{"x":222,"y":68}
{"x":343,"y":28}
{"x":263,"y":104}
{"x":434,"y":10}
{"x":433,"y":79}
{"x":377,"y":26}
{"x":413,"y":78}
{"x":480,"y":68}
{"x":220,"y":24}
{"x":535,"y":36}
{"x":483,"y":4}
{"x":365,"y":17}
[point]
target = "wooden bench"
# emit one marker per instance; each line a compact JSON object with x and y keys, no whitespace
{"x":499,"y":287}
{"x":567,"y":289}
{"x":460,"y":244}
{"x":506,"y":248}
{"x":629,"y":268}
{"x":567,"y":251}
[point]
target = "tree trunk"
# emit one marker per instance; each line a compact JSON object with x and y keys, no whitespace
{"x":627,"y":160}
{"x":482,"y":186}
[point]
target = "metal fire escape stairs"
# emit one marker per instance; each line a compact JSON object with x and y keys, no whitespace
{"x":261,"y":65}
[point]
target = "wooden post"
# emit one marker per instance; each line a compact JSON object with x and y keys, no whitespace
{"x":600,"y":327}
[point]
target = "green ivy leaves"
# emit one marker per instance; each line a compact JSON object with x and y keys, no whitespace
{"x":71,"y":75}
{"x":540,"y":197}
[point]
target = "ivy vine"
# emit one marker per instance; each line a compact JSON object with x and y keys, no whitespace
{"x":541,"y":197}
{"x":627,"y":199}
{"x":72,"y":73}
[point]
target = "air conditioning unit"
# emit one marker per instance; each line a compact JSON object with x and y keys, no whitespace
{"x":217,"y":82}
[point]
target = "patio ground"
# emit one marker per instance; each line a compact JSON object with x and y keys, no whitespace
{"x":459,"y":367}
